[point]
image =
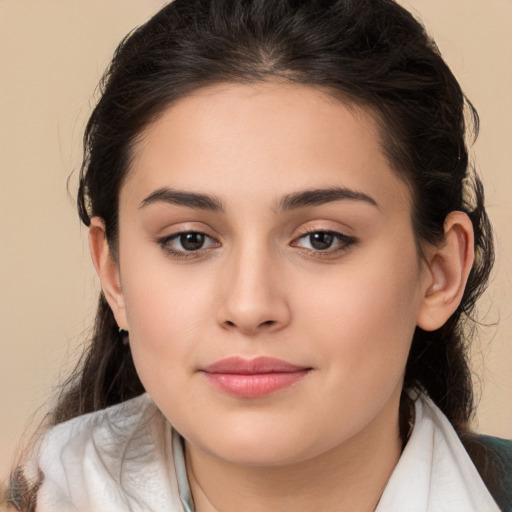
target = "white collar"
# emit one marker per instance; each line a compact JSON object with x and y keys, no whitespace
{"x":435,"y":473}
{"x":128,"y":458}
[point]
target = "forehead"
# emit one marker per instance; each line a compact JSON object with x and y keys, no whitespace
{"x":263,"y":139}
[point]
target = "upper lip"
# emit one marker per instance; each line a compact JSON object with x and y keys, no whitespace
{"x":259,"y":365}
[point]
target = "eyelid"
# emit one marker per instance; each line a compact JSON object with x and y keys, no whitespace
{"x":344,"y":241}
{"x":335,"y":233}
{"x":164,"y":242}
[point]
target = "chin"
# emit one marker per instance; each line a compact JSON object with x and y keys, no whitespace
{"x":262,"y":445}
{"x":259,"y":454}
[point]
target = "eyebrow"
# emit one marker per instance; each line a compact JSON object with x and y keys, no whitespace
{"x":183,"y":198}
{"x":317,"y":197}
{"x":292,"y":201}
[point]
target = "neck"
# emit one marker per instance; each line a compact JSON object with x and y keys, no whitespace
{"x":350,"y":477}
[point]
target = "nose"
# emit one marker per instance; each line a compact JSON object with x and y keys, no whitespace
{"x":253,"y":295}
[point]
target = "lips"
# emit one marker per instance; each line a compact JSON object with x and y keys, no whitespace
{"x":253,"y":378}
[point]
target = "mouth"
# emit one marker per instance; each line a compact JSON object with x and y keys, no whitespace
{"x":253,"y":378}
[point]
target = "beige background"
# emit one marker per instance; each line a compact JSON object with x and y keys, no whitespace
{"x":52,"y":54}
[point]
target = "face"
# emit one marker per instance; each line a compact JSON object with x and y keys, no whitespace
{"x":268,"y":272}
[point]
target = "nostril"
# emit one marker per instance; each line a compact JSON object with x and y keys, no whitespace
{"x":267,"y":323}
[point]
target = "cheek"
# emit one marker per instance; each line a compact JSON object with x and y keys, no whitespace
{"x":160,"y":294}
{"x":364,"y":319}
{"x":167,"y":314}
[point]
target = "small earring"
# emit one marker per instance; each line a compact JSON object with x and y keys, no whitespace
{"x":124,"y":335}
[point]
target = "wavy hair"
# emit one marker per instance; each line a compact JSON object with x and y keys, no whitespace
{"x":372,"y":53}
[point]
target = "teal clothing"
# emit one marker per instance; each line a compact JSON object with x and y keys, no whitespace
{"x":501,"y":487}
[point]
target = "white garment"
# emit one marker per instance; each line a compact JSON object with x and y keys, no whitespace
{"x":435,"y":473}
{"x":127,"y":458}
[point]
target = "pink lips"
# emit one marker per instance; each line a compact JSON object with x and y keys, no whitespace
{"x":253,"y":378}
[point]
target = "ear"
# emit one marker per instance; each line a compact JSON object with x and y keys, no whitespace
{"x":108,"y":270}
{"x":448,"y":268}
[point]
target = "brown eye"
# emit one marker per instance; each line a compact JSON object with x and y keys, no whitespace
{"x":187,"y":243}
{"x":321,"y":240}
{"x":192,"y":241}
{"x":324,"y":241}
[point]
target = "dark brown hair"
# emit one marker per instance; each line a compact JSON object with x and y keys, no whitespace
{"x":370,"y":52}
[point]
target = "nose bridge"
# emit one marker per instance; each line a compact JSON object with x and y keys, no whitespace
{"x":254,"y":298}
{"x":251,"y":273}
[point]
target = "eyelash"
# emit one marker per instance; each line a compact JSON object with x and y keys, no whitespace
{"x":184,"y":254}
{"x":344,"y":242}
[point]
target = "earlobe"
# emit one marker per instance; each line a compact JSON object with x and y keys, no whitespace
{"x":107,"y":269}
{"x":448,"y":270}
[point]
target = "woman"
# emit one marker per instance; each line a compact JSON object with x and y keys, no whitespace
{"x":290,"y":241}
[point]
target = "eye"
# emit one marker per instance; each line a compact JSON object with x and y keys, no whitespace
{"x":186,"y":243}
{"x":324,"y":241}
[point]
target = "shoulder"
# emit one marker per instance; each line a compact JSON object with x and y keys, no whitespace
{"x":435,"y":469}
{"x":102,"y":433}
{"x":498,"y":444}
{"x":117,"y":458}
{"x":492,"y":457}
{"x":94,"y":442}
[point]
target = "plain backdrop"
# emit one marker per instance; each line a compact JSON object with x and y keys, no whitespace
{"x":52,"y":54}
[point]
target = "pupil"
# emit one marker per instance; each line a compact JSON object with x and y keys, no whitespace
{"x":192,"y":241}
{"x":321,"y":240}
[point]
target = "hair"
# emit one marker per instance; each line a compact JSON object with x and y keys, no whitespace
{"x":371,"y":53}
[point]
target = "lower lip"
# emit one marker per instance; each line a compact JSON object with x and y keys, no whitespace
{"x":254,"y":385}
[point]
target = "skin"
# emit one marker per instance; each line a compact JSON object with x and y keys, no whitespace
{"x":258,"y":287}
